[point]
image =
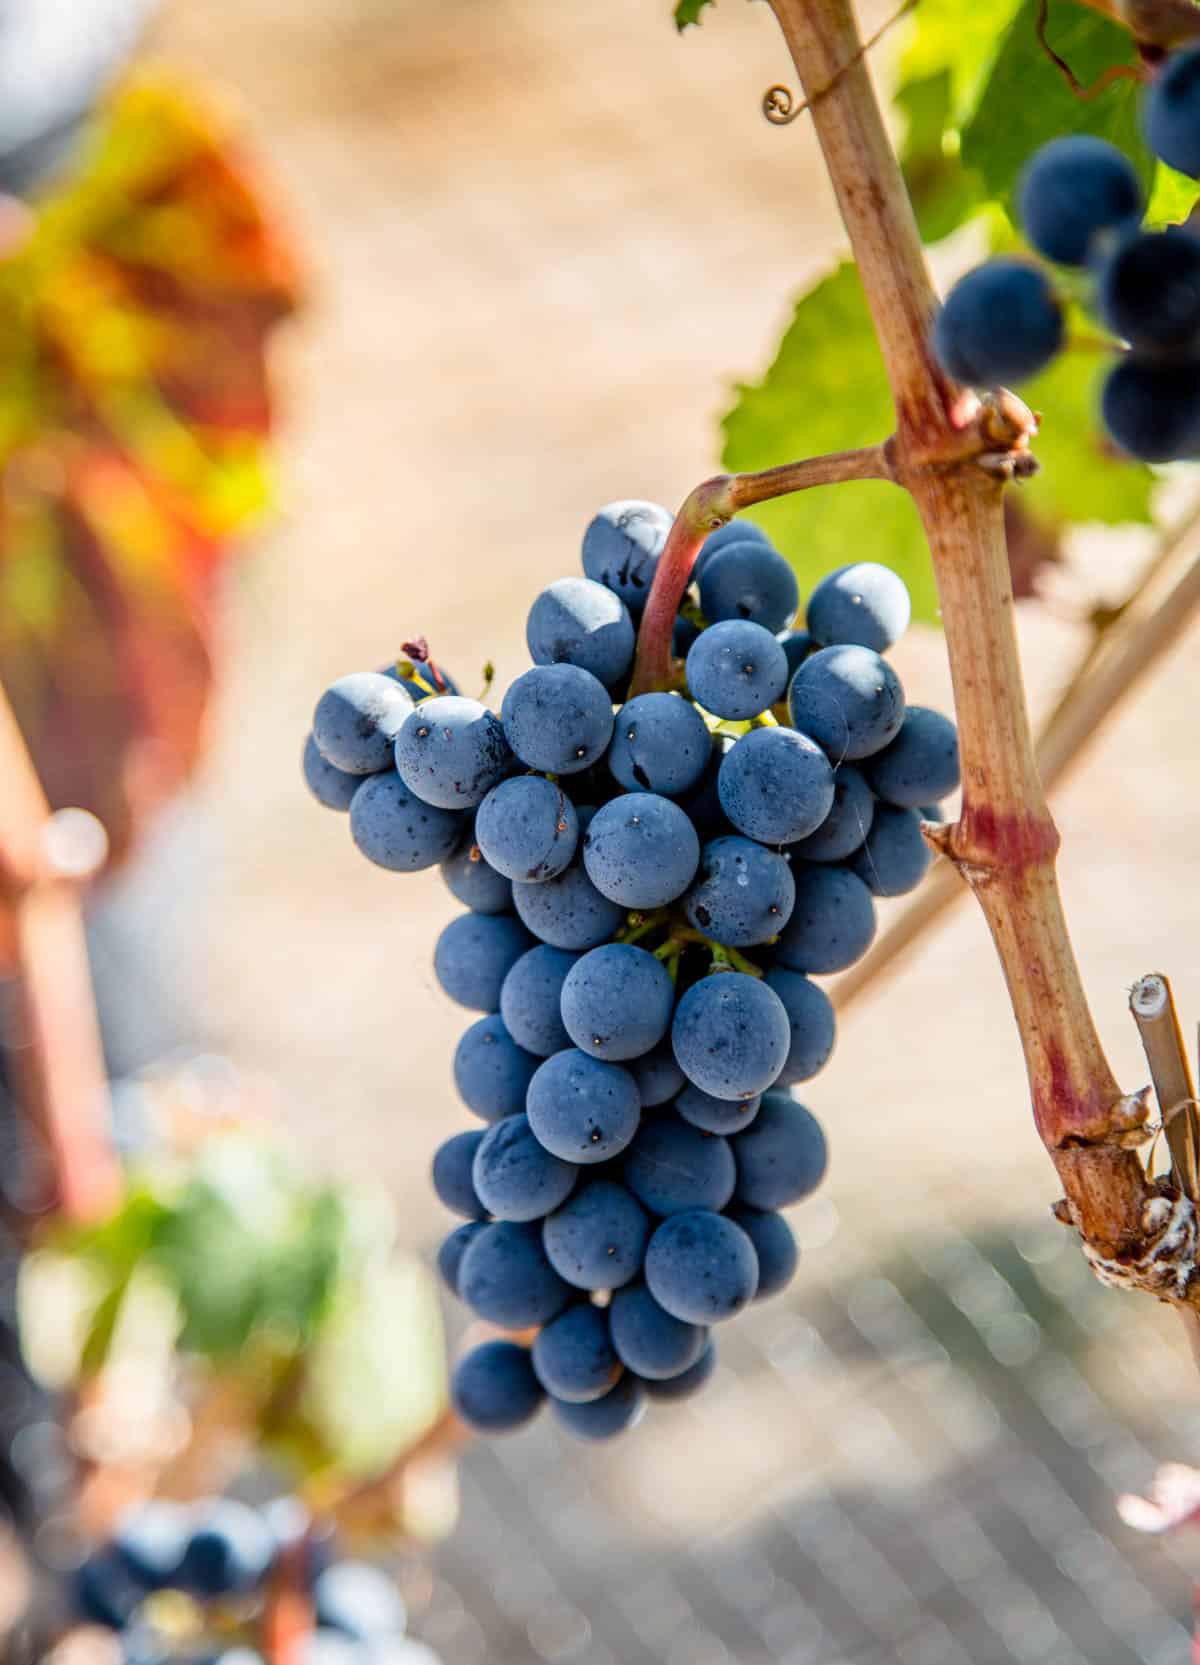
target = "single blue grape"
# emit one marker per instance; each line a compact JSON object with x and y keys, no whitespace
{"x":780,"y":1159}
{"x":658,"y":1075}
{"x":557,"y":718}
{"x":701,"y":1267}
{"x":731,"y":1035}
{"x":359,"y":1600}
{"x":1171,"y":112}
{"x":357,"y":720}
{"x":810,"y":1014}
{"x":661,"y":744}
{"x":716,"y":1115}
{"x":921,"y":764}
{"x":603,"y":1419}
{"x":647,"y":1339}
{"x":475,"y":953}
{"x":506,"y":1279}
{"x":861,"y":605}
{"x":641,"y":850}
{"x":329,"y":785}
{"x":617,"y":1002}
{"x":1148,"y":290}
{"x":846,"y":826}
{"x":743,"y":893}
{"x":895,"y":857}
{"x":1152,"y":409}
{"x":736,"y":669}
{"x":597,"y":1239}
{"x":451,"y":751}
{"x":530,"y":1000}
{"x":491,"y":1072}
{"x":581,"y":1108}
{"x":1000,"y":324}
{"x":734,"y":531}
{"x":527,"y":828}
{"x":672,"y":1166}
{"x":106,"y":1592}
{"x":574,"y":1358}
{"x":689,"y":1381}
{"x":774,"y":1245}
{"x":493,"y":1387}
{"x":453,"y":1248}
{"x":1071,"y":190}
{"x":749,"y":580}
{"x":796,"y":645}
{"x":392,"y":827}
{"x":579,"y":622}
{"x":776,"y":785}
{"x":568,"y":912}
{"x":453,"y":1164}
{"x":849,"y":700}
{"x":515,"y":1177}
{"x":832,"y":924}
{"x":621,"y":548}
{"x":149,"y":1540}
{"x":228,"y":1552}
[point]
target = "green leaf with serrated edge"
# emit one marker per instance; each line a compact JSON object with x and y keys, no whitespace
{"x":1026,"y":102}
{"x":943,"y":192}
{"x":688,"y":11}
{"x":827,"y":391}
{"x":1081,"y":477}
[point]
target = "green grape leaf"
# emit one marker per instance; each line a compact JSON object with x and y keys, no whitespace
{"x":961,"y":38}
{"x":688,"y":11}
{"x":944,"y":193}
{"x":827,"y":391}
{"x":1082,"y":478}
{"x":1027,"y":102}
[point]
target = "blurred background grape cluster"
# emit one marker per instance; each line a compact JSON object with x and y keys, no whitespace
{"x":325,"y":326}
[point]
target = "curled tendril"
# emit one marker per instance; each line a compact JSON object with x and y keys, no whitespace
{"x":780,"y":107}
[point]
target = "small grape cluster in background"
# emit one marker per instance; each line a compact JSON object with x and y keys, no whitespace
{"x":187,"y":1583}
{"x":1080,"y":204}
{"x":651,"y":890}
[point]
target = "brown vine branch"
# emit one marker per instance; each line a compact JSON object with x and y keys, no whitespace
{"x":711,"y":505}
{"x":1115,"y":661}
{"x":1005,"y":842}
{"x":59,"y":1065}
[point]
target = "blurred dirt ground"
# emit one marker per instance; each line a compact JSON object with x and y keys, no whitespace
{"x":545,"y":239}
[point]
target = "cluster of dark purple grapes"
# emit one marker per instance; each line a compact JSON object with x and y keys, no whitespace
{"x":182,"y":1585}
{"x":1080,"y":203}
{"x":652,"y":881}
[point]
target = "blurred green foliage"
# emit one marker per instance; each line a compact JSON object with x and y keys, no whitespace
{"x":292,"y":1287}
